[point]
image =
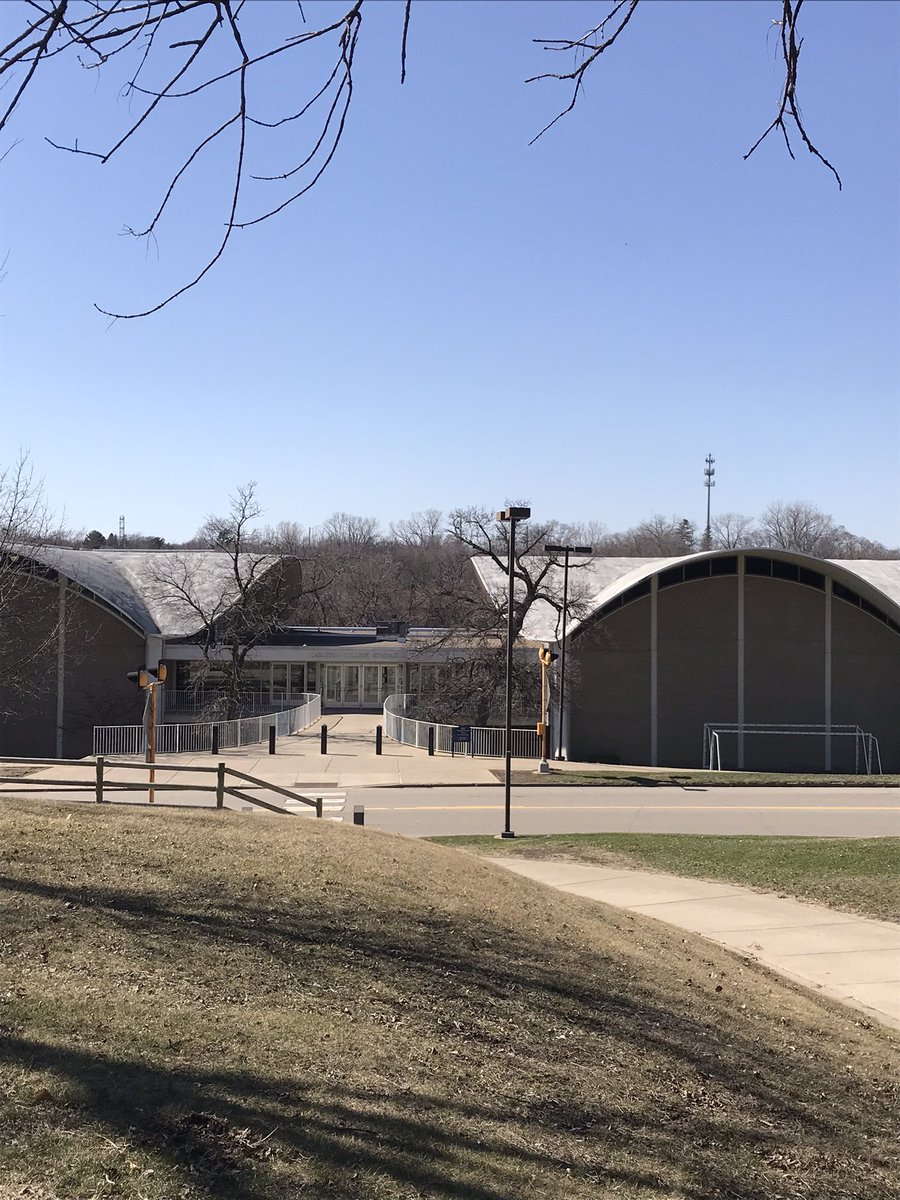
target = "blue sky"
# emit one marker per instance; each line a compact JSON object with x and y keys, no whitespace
{"x":454,"y":317}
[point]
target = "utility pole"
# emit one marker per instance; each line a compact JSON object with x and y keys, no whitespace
{"x":149,"y":681}
{"x":709,"y":483}
{"x":565,"y":551}
{"x":512,"y":516}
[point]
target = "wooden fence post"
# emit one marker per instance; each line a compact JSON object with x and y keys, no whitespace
{"x":99,"y":783}
{"x":220,"y":785}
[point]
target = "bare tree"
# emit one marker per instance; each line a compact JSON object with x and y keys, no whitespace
{"x":731,"y":531}
{"x":213,"y":59}
{"x":587,"y":49}
{"x":29,"y":628}
{"x":798,"y":526}
{"x":473,"y":688}
{"x":419,"y":529}
{"x":658,"y":535}
{"x":346,"y":529}
{"x":236,"y":609}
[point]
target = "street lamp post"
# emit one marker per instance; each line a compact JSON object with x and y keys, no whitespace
{"x":565,"y":551}
{"x":512,"y":515}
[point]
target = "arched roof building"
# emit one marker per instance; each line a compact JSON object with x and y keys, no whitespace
{"x":736,"y":639}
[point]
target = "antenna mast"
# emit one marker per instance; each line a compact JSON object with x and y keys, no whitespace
{"x":709,"y":483}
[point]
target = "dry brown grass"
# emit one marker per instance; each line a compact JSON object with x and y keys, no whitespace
{"x":210,"y":1005}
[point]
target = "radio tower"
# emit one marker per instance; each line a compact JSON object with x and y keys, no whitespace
{"x":121,"y":533}
{"x":709,"y":483}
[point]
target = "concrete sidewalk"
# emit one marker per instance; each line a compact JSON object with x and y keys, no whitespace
{"x":298,"y":764}
{"x":853,"y":959}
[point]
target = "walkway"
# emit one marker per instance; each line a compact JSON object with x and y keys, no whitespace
{"x":852,"y":959}
{"x":298,"y":764}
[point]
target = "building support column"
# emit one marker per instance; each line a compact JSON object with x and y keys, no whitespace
{"x":742,"y":562}
{"x":61,"y":665}
{"x":654,"y":671}
{"x":828,"y":603}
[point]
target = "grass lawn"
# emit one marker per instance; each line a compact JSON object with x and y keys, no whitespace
{"x":211,"y":1005}
{"x":859,"y":875}
{"x":611,"y":777}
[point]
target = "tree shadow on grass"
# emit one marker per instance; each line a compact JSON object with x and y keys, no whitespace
{"x":716,"y":1081}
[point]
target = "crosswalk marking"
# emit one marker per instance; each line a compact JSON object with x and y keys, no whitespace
{"x":332,"y":805}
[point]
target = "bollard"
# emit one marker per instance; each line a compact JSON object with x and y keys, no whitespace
{"x":271,"y":739}
{"x":431,"y":741}
{"x":359,"y":814}
{"x":377,"y":739}
{"x":324,"y":739}
{"x":215,"y":739}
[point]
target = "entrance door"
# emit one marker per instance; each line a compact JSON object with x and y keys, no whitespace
{"x":333,"y":693}
{"x":371,"y":692}
{"x":348,"y":685}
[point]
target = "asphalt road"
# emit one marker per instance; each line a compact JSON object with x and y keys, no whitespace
{"x":814,"y":812}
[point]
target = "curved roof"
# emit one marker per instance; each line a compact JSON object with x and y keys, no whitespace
{"x":142,"y":585}
{"x":596,"y":582}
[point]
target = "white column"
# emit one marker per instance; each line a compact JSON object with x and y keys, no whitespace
{"x":740,"y":661}
{"x":654,"y":671}
{"x":61,"y":666}
{"x":828,"y":596}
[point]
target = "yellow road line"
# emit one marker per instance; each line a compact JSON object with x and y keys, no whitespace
{"x":669,"y":808}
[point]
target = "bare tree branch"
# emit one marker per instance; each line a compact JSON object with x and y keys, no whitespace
{"x":588,"y":50}
{"x":789,"y":110}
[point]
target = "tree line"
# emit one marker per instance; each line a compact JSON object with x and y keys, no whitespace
{"x":360,"y":572}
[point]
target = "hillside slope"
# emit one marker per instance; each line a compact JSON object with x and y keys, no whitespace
{"x":211,"y":1005}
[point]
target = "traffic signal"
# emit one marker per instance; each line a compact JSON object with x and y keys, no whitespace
{"x":144,"y":678}
{"x":546,"y":655}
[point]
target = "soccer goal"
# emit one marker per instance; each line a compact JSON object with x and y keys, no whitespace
{"x":866,"y":751}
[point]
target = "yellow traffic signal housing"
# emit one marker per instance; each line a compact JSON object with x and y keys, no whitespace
{"x":161,"y":672}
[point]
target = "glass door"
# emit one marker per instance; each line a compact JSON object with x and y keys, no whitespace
{"x":351,"y":686}
{"x":332,"y":693}
{"x":371,"y":694}
{"x":389,"y":682}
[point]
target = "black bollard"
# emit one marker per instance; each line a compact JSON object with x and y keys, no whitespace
{"x":431,"y":740}
{"x":377,"y":739}
{"x":271,"y":739}
{"x":215,"y":739}
{"x":359,"y":815}
{"x":324,"y":739}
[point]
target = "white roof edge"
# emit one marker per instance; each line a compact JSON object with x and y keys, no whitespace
{"x":877,"y":580}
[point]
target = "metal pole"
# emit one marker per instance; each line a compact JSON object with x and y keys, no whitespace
{"x":507,"y":771}
{"x":151,"y":741}
{"x":562,"y":657}
{"x":544,"y":722}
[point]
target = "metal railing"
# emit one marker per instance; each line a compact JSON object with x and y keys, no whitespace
{"x":196,"y":736}
{"x":205,"y":700}
{"x":486,"y":741}
{"x":101,"y":784}
{"x":866,"y":748}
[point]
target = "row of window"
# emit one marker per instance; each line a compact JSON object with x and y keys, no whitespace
{"x":338,"y":682}
{"x":754,"y":564}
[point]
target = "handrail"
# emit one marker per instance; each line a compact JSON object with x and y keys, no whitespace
{"x":485,"y":741}
{"x":197,"y":736}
